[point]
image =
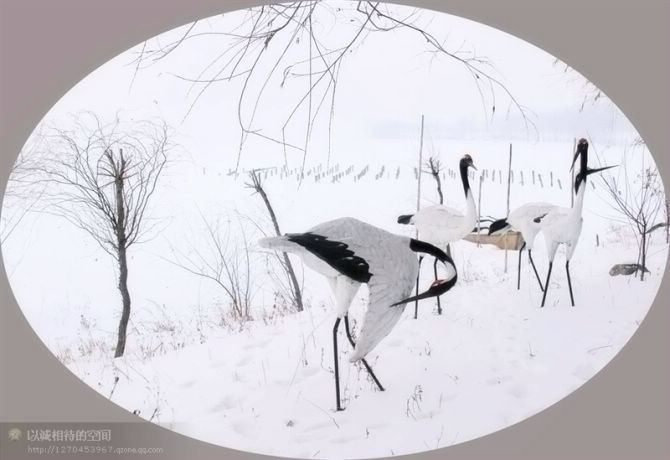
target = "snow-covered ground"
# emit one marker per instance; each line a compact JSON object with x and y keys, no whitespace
{"x":491,"y":359}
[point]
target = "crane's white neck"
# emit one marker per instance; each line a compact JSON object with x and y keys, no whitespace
{"x":579,"y":199}
{"x":471,"y":208}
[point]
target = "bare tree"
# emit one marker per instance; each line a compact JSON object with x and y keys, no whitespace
{"x":225,"y":263}
{"x":591,"y":93}
{"x":277,"y":44}
{"x":638,"y":198}
{"x":435,"y":168}
{"x":101,"y":178}
{"x":285,"y":263}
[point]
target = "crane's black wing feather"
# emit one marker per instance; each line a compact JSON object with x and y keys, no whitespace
{"x":334,"y":253}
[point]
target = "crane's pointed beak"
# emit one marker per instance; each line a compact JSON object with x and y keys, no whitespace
{"x":438,"y":287}
{"x":473,"y":167}
{"x":574,"y":160}
{"x":595,"y":170}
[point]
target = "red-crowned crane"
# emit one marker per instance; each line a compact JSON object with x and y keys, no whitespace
{"x":522,"y":219}
{"x":348,"y":253}
{"x":440,"y":225}
{"x":564,"y":225}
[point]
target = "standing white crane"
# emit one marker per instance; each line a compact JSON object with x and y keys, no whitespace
{"x":522,"y":219}
{"x":440,"y":225}
{"x":348,"y":253}
{"x":563,"y":225}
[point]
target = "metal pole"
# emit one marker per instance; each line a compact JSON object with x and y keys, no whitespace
{"x":479,"y":211}
{"x":509,"y":182}
{"x":418,"y":205}
{"x":418,"y":192}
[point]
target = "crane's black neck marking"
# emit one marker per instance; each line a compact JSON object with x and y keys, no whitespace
{"x":436,"y":289}
{"x":583,"y":151}
{"x":334,"y":253}
{"x":421,"y":246}
{"x":464,"y":176}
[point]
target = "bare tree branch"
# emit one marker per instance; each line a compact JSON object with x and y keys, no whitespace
{"x":279,"y":43}
{"x":296,"y":295}
{"x":638,"y":198}
{"x":101,"y":177}
{"x":435,"y":169}
{"x":227,"y":265}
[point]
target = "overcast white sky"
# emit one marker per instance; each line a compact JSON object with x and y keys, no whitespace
{"x":385,"y":85}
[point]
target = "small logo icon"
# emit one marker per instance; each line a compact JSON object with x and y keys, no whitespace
{"x":15,"y":434}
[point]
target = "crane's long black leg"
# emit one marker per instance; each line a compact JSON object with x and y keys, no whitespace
{"x":535,"y":270}
{"x":439,"y":306}
{"x":518,"y":273}
{"x":416,"y":302}
{"x":567,"y":270}
{"x":337,"y":370}
{"x":365,"y":363}
{"x":546,"y":283}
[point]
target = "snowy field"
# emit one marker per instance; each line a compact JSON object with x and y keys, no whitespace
{"x":266,"y":385}
{"x":492,"y":359}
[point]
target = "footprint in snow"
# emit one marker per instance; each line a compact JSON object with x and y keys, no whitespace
{"x":449,"y":397}
{"x":518,"y":391}
{"x":344,"y":439}
{"x":425,"y":415}
{"x":244,"y":361}
{"x":375,"y":426}
{"x":244,"y":428}
{"x":227,"y":403}
{"x":498,"y":380}
{"x":258,"y":344}
{"x":584,"y":372}
{"x":318,"y":426}
{"x":309,"y":371}
{"x":394,"y":343}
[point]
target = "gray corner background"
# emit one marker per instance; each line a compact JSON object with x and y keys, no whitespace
{"x":46,"y":47}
